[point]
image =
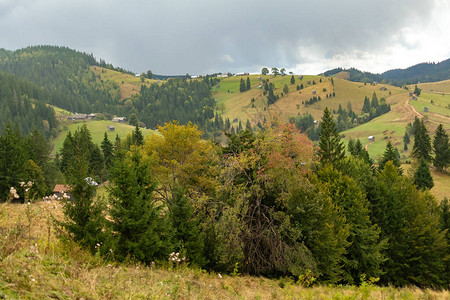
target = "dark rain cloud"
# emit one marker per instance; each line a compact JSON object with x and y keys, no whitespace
{"x":176,"y":37}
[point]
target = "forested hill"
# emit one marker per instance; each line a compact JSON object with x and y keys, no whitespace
{"x":424,"y":72}
{"x":65,"y":73}
{"x":68,"y":82}
{"x":23,"y":103}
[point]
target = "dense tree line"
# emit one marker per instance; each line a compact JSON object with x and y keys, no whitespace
{"x":65,"y":74}
{"x":23,"y":103}
{"x":424,"y":72}
{"x":263,"y":205}
{"x":68,"y":83}
{"x":185,"y":101}
{"x":25,"y":159}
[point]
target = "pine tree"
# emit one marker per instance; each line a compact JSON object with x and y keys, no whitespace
{"x":140,"y":232}
{"x":441,"y":148}
{"x":417,"y":91}
{"x":137,"y":137}
{"x":84,"y":218}
{"x":107,"y":149}
{"x":271,"y":98}
{"x":366,"y":106}
{"x":406,"y":140}
{"x":292,"y":79}
{"x":187,"y":232}
{"x":422,"y":142}
{"x":422,"y":176}
{"x":13,"y":160}
{"x":227,"y":124}
{"x":351,"y":147}
{"x":248,"y":84}
{"x":331,"y":149}
{"x":286,"y":89}
{"x":374,"y":104}
{"x":364,"y":254}
{"x":248,"y":125}
{"x":242,"y":87}
{"x":390,"y":155}
{"x":409,"y":219}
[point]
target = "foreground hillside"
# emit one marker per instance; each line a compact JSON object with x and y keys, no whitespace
{"x":34,"y":264}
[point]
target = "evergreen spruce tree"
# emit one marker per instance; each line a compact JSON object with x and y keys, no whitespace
{"x":13,"y":159}
{"x":286,"y":89}
{"x":135,"y":219}
{"x":331,"y":149}
{"x":406,"y":141}
{"x":422,"y":142}
{"x":107,"y":149}
{"x":137,"y":137}
{"x":351,"y":147}
{"x":409,"y":219}
{"x":271,"y":98}
{"x":248,"y":126}
{"x":417,"y":91}
{"x":292,"y":79}
{"x":187,"y":235}
{"x":422,"y":176}
{"x":242,"y":86}
{"x":97,"y":164}
{"x":444,"y":209}
{"x":248,"y":84}
{"x":239,"y":129}
{"x":441,"y":148}
{"x":84,"y":219}
{"x":374,"y":103}
{"x":366,"y":106}
{"x":390,"y":155}
{"x":364,"y":253}
{"x":227,"y":124}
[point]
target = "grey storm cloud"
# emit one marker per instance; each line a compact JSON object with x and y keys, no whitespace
{"x":198,"y":36}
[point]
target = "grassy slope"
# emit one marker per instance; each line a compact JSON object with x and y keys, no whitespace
{"x":97,"y":129}
{"x":238,"y":105}
{"x":38,"y":266}
{"x":390,"y":126}
{"x":129,"y":84}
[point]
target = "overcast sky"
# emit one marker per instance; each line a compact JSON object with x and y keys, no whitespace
{"x":206,"y":36}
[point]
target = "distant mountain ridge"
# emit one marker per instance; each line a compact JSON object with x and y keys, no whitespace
{"x":423,"y":72}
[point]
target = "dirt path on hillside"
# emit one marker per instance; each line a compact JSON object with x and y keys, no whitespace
{"x":408,"y":111}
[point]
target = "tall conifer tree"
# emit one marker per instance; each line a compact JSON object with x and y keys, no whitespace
{"x":441,"y":149}
{"x":331,"y":148}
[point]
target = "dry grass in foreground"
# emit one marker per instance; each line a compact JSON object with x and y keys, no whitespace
{"x":36,"y":265}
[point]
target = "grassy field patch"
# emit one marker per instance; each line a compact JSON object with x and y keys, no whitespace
{"x":97,"y":129}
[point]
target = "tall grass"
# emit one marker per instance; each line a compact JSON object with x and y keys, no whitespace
{"x":42,"y":266}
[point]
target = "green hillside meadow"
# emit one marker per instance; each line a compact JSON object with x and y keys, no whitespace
{"x":97,"y":129}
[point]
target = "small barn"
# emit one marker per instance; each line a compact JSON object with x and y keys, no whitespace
{"x":371,"y":138}
{"x":62,"y":191}
{"x":383,"y":88}
{"x":426,"y":109}
{"x":111,"y":128}
{"x":119,"y":119}
{"x":77,"y":117}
